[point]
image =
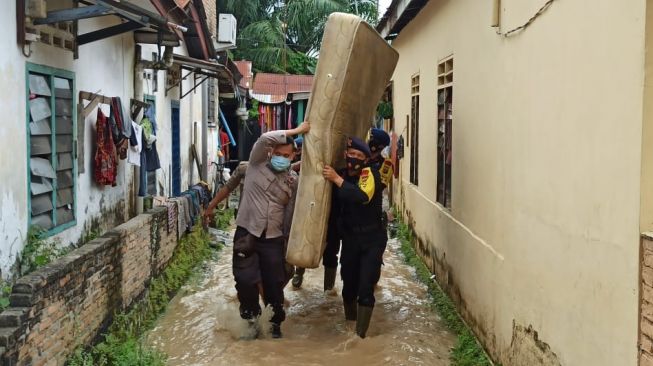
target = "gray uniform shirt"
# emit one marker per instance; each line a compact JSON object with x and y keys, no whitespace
{"x":237,"y":177}
{"x":268,"y":198}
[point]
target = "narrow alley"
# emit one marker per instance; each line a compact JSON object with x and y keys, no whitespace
{"x":202,"y":325}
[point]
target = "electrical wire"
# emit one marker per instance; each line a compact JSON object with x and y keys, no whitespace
{"x":543,"y":9}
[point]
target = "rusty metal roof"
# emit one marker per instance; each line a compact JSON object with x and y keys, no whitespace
{"x":245,"y":69}
{"x":278,"y":84}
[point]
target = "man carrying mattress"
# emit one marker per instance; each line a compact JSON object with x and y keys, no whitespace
{"x":263,"y":224}
{"x":359,"y":212}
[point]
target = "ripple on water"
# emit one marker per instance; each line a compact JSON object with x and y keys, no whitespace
{"x":204,"y":327}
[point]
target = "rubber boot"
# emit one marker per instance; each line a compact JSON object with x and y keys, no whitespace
{"x":363,"y":320}
{"x":298,"y":278}
{"x":350,"y":310}
{"x":329,"y":278}
{"x":276,"y":331}
{"x":253,"y":330}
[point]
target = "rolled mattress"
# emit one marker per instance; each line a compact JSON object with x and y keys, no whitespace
{"x":354,"y":67}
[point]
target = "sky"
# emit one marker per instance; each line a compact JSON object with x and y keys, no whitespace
{"x":383,"y":5}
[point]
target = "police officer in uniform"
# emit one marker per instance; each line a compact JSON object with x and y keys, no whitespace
{"x":359,"y":214}
{"x":379,"y":140}
{"x":263,"y":225}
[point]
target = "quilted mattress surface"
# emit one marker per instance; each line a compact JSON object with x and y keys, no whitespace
{"x":354,"y":67}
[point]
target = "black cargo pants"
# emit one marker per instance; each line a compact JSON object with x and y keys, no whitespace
{"x":360,"y":261}
{"x":330,"y":255}
{"x":259,"y":261}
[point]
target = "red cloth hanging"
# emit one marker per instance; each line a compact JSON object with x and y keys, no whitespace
{"x":106,"y":156}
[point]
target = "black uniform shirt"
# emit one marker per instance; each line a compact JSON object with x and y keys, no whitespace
{"x":360,"y":201}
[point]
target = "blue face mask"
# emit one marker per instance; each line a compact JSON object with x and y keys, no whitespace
{"x":279,"y":163}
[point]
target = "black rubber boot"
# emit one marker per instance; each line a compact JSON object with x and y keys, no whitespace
{"x":350,"y":310}
{"x":329,"y":278}
{"x":298,"y":278}
{"x":275,"y":331}
{"x":253,"y":330}
{"x":363,"y":320}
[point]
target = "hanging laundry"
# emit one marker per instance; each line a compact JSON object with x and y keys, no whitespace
{"x":120,"y":128}
{"x":136,"y":145}
{"x":149,"y":155}
{"x":106,"y":158}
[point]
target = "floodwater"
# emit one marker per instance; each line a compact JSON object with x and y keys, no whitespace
{"x":202,"y":327}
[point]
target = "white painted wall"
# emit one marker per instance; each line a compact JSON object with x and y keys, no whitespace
{"x":105,"y":66}
{"x":547,"y":128}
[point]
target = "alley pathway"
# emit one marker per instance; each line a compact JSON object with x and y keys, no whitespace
{"x":202,"y":326}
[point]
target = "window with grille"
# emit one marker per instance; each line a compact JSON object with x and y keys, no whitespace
{"x":414,"y":130}
{"x":445,"y":119}
{"x":52,"y":163}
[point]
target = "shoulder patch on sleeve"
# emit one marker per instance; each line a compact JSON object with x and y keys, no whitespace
{"x":386,"y":172}
{"x":366,"y":183}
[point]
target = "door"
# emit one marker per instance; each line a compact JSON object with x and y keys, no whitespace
{"x":176,"y":150}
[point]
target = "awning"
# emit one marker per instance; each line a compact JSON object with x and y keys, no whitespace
{"x":203,"y":70}
{"x":133,"y":16}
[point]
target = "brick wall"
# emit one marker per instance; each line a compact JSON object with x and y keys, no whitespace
{"x":70,"y":301}
{"x":646,"y":302}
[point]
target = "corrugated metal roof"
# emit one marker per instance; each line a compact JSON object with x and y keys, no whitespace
{"x":278,"y":84}
{"x":269,"y":98}
{"x":245,"y":69}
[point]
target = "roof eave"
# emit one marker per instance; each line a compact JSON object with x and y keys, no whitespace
{"x":398,"y":15}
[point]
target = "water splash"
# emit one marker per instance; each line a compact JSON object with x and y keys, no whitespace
{"x":204,"y":327}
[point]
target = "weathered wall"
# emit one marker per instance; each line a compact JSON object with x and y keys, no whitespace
{"x":102,"y":66}
{"x":106,"y":66}
{"x":68,"y":302}
{"x":646,"y":302}
{"x":190,"y":113}
{"x":540,"y":248}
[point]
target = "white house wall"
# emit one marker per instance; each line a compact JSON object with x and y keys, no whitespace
{"x":544,"y":225}
{"x":106,"y":67}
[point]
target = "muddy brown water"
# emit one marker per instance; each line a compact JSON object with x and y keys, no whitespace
{"x":202,"y":327}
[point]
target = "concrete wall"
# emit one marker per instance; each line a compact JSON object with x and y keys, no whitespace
{"x":541,"y":246}
{"x":103,"y":66}
{"x":190,"y":114}
{"x":106,"y":66}
{"x":68,"y":302}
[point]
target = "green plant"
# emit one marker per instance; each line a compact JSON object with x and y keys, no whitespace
{"x":122,"y":343}
{"x":253,"y":112}
{"x":39,"y":251}
{"x":91,"y":235}
{"x":384,"y":110}
{"x":223,"y":218}
{"x":467,"y":351}
{"x":5,"y":291}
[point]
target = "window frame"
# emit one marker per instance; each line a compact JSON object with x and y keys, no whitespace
{"x":52,"y":73}
{"x":414,"y":129}
{"x":445,"y":83}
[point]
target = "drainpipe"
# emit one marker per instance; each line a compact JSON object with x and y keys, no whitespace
{"x":205,"y":130}
{"x":496,"y":14}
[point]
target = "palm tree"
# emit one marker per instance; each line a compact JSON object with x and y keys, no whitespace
{"x":284,"y":36}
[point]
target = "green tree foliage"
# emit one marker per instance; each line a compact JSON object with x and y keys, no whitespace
{"x":284,"y":36}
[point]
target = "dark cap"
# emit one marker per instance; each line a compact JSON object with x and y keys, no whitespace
{"x":378,"y":138}
{"x":358,"y":144}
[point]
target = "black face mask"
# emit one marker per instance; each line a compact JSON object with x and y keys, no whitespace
{"x":355,"y":164}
